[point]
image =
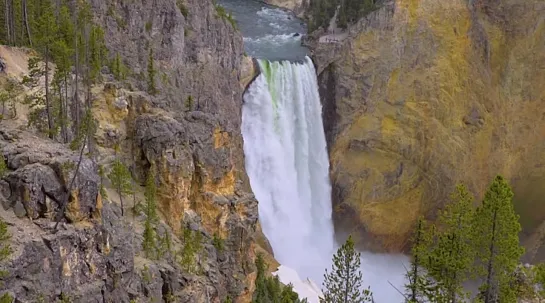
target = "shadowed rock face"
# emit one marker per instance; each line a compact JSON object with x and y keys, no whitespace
{"x":425,"y":94}
{"x":41,"y":177}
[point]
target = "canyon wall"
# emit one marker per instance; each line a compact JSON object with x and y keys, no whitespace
{"x":423,"y":94}
{"x":187,"y":134}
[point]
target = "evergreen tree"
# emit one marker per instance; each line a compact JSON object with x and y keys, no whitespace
{"x":344,"y":283}
{"x":151,"y":73}
{"x":496,"y":227}
{"x":9,"y":94}
{"x":149,"y":242}
{"x":5,"y":248}
{"x":261,"y":293}
{"x":191,"y":249}
{"x":98,"y":52}
{"x":46,"y":36}
{"x":62,"y":54}
{"x":36,"y":100}
{"x":121,"y":180}
{"x":119,"y":70}
{"x":419,"y":286}
{"x":151,"y":196}
{"x":4,"y":97}
{"x":6,"y":298}
{"x":452,"y":255}
{"x":102,"y":175}
{"x":3,"y":167}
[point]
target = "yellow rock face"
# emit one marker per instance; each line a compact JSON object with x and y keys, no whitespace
{"x":429,"y":93}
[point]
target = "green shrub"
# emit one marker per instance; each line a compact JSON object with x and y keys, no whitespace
{"x":222,"y":13}
{"x":218,"y":243}
{"x":182,"y":7}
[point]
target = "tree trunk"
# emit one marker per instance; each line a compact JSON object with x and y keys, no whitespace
{"x":121,"y":199}
{"x":47,"y":101}
{"x":8,"y":30}
{"x":64,"y":104}
{"x":488,"y":294}
{"x":88,"y":98}
{"x":25,"y":20}
{"x":12,"y":22}
{"x":76,"y":65}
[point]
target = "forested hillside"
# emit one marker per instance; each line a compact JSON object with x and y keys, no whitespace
{"x":348,"y":11}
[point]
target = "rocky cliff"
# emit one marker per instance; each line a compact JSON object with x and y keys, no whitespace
{"x":188,"y":135}
{"x":423,"y":94}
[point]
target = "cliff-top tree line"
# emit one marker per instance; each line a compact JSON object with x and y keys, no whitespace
{"x":467,"y":243}
{"x":349,"y":11}
{"x":69,"y":54}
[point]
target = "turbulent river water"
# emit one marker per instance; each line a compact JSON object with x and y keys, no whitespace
{"x":269,"y":33}
{"x":286,"y":156}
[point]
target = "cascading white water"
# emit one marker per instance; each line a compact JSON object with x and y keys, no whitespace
{"x":287,"y":162}
{"x":288,"y":165}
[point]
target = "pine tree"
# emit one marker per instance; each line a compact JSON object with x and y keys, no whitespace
{"x":5,"y":248}
{"x":102,"y":175}
{"x":452,"y":255}
{"x":4,"y":97}
{"x":121,"y":180}
{"x":149,"y":242}
{"x":62,"y":54}
{"x":496,"y":227}
{"x":3,"y":167}
{"x":344,"y":283}
{"x":151,"y":197}
{"x":419,"y":286}
{"x":151,"y":73}
{"x":36,"y":100}
{"x":98,"y":52}
{"x":46,"y":36}
{"x":9,"y":94}
{"x":261,"y":293}
{"x":192,"y":247}
{"x":6,"y":298}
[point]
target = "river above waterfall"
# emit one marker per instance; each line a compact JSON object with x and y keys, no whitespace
{"x":269,"y":33}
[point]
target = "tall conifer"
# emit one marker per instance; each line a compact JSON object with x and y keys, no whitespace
{"x":496,"y":228}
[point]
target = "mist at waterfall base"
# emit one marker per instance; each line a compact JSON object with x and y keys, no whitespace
{"x":288,"y":167}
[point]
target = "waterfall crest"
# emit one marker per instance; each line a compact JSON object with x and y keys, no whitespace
{"x":288,"y":165}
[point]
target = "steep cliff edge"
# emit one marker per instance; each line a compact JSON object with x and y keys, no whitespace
{"x":424,"y":94}
{"x":188,"y":135}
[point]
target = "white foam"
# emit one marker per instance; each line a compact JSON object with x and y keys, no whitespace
{"x":273,"y":14}
{"x":288,"y":167}
{"x":275,"y":40}
{"x":304,"y":288}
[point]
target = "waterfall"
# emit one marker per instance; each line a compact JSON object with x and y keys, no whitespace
{"x":288,"y":165}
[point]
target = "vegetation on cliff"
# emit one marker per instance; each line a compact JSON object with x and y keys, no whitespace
{"x":269,"y":289}
{"x":344,"y":282}
{"x":347,"y":11}
{"x":466,"y":243}
{"x":76,"y":92}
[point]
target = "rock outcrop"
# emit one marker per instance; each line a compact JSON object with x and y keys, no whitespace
{"x":188,"y":134}
{"x":424,"y":94}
